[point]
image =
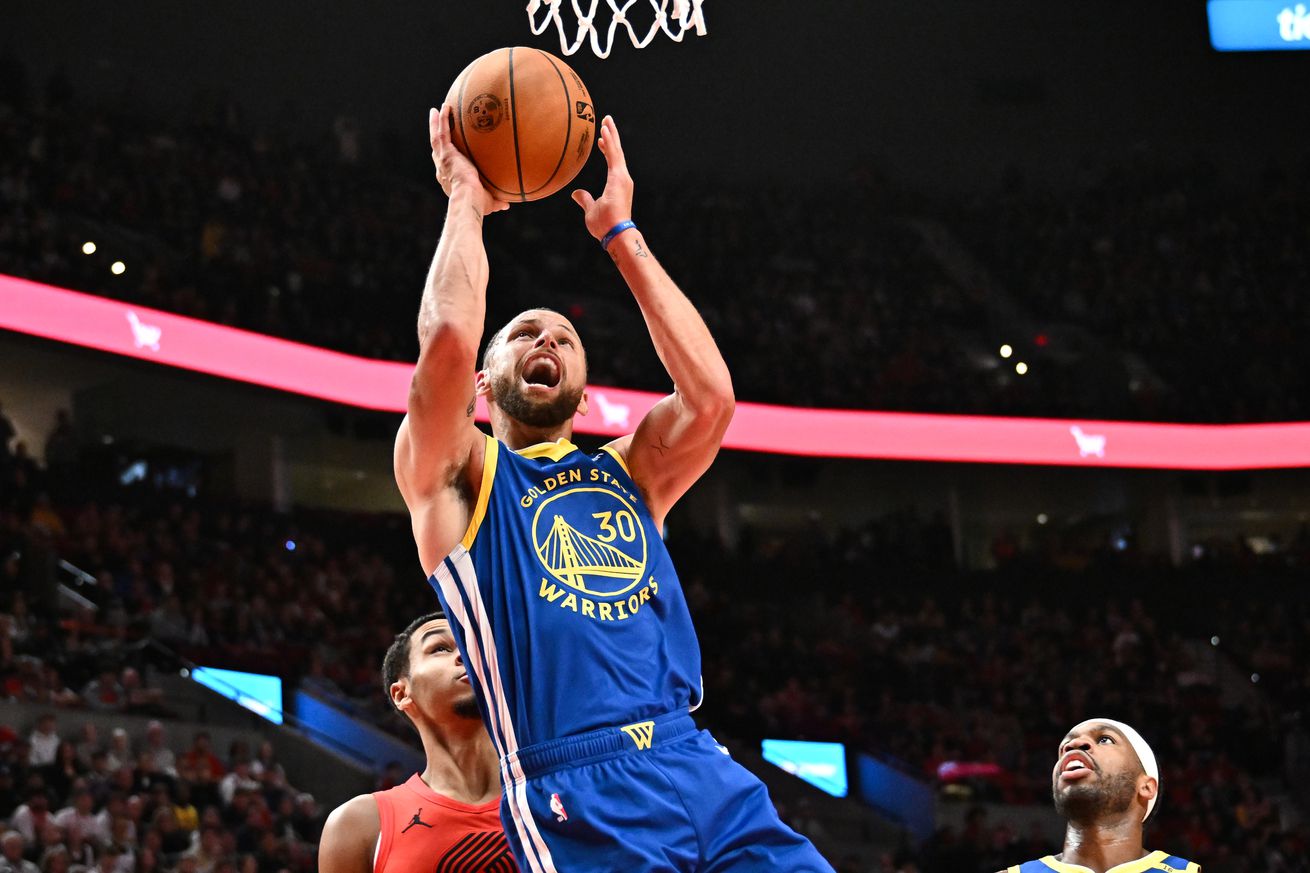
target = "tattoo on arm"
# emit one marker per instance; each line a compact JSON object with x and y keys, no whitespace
{"x":473,"y":403}
{"x":640,"y":251}
{"x":662,"y":446}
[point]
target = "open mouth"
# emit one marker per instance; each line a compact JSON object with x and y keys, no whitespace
{"x":1076,"y":765}
{"x":542,"y":371}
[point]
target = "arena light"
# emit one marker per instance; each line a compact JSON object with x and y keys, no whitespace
{"x":1006,"y":350}
{"x":177,"y":341}
{"x":118,"y":268}
{"x":1021,"y":368}
{"x":88,"y":248}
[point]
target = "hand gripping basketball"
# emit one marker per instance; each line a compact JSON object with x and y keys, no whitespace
{"x":615,"y":202}
{"x":453,"y":169}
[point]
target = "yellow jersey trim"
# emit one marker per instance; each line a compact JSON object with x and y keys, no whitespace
{"x":1011,"y":870}
{"x":556,"y":451}
{"x":1141,"y":865}
{"x":484,"y":492}
{"x":609,"y":450}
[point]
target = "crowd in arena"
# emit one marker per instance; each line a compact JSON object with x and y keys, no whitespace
{"x":1188,"y":288}
{"x":939,"y":670}
{"x":145,"y":804}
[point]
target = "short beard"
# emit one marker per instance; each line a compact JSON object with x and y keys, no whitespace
{"x":1087,"y":805}
{"x":467,"y":707}
{"x":515,"y":403}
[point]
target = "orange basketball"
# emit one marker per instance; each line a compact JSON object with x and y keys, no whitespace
{"x":524,"y":119}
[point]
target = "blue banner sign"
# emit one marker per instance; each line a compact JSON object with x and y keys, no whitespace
{"x":1258,"y":25}
{"x":258,"y":693}
{"x":823,"y":765}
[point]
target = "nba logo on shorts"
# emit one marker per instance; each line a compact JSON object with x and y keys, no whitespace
{"x":557,"y":807}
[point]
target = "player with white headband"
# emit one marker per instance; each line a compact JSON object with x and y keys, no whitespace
{"x":1105,"y":784}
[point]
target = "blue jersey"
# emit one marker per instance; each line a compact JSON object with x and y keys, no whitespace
{"x":1155,"y":861}
{"x":563,"y":599}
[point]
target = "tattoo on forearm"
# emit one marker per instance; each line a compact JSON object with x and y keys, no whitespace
{"x":662,"y":447}
{"x":640,"y":251}
{"x":473,"y":404}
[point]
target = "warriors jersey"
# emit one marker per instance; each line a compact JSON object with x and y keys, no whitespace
{"x":423,"y":832}
{"x":563,"y":599}
{"x":1156,"y":861}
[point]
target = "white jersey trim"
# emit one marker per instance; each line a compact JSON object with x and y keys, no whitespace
{"x":458,"y":578}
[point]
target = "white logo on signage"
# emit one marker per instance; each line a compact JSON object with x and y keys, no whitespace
{"x":146,"y":336}
{"x":1294,"y":23}
{"x":613,"y":414}
{"x":1089,"y":444}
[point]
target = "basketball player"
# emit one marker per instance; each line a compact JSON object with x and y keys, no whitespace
{"x":549,"y":562}
{"x":446,"y":818}
{"x":1106,"y":784}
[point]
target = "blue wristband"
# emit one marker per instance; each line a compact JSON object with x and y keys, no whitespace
{"x":615,"y":231}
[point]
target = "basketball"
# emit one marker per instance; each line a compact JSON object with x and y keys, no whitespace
{"x":524,"y":119}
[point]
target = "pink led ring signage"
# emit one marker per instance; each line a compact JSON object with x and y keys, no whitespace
{"x":177,"y":341}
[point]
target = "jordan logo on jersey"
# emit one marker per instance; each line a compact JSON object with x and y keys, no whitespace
{"x":417,"y":820}
{"x":641,"y":733}
{"x":588,"y":536}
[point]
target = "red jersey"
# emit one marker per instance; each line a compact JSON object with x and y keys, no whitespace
{"x":423,"y":832}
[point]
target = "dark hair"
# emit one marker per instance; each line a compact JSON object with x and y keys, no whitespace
{"x":396,"y":662}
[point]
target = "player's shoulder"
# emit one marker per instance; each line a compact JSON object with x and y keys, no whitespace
{"x":349,"y":834}
{"x":359,"y":813}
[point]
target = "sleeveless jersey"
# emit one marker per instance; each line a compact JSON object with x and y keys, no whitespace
{"x":423,"y":832}
{"x":563,"y":599}
{"x":1155,"y":861}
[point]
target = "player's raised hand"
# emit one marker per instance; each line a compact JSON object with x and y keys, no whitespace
{"x":615,"y":202}
{"x":454,"y":171}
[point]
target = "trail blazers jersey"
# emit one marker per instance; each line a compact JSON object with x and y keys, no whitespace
{"x":423,"y":832}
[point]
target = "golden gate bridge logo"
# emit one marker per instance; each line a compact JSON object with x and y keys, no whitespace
{"x":613,"y":549}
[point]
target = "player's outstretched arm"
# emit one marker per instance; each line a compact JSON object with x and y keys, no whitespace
{"x":437,"y":442}
{"x":678,"y":439}
{"x":349,"y":835}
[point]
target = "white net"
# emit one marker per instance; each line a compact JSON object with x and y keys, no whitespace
{"x":674,"y":17}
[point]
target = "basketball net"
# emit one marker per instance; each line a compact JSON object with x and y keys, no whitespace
{"x":685,"y":15}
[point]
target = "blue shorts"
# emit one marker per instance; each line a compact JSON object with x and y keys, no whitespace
{"x":654,"y":796}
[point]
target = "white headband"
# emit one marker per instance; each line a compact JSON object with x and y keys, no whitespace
{"x":1144,"y":753}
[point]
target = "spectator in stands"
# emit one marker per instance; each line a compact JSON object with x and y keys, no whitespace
{"x":200,"y":766}
{"x":32,"y":816}
{"x":11,"y":854}
{"x":43,"y":742}
{"x":137,"y":698}
{"x":64,"y":771}
{"x":79,"y":819}
{"x":239,"y":778}
{"x":88,"y":742}
{"x":188,"y":817}
{"x":104,"y":692}
{"x":156,"y":746}
{"x":119,"y":752}
{"x":55,"y":859}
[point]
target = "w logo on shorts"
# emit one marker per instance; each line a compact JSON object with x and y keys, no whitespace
{"x":641,"y":733}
